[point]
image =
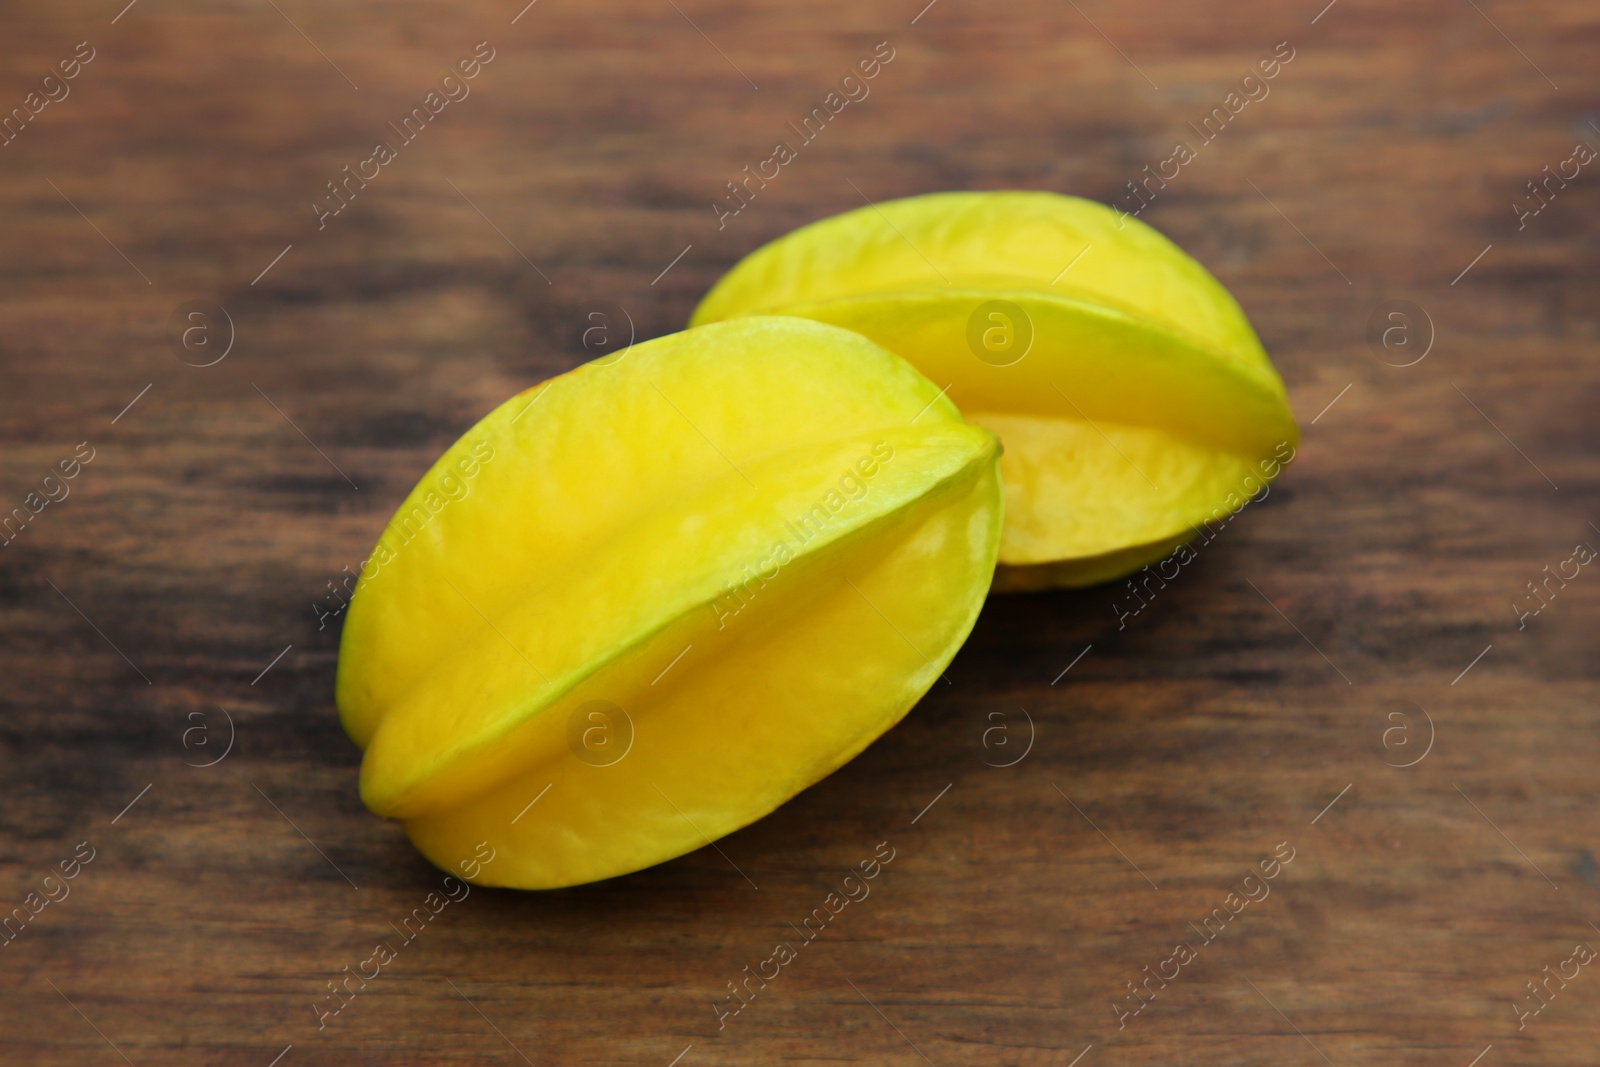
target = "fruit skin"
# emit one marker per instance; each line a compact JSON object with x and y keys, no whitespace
{"x":1144,"y":400}
{"x":620,"y":544}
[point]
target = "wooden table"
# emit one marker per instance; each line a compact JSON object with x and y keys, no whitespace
{"x":1359,"y":618}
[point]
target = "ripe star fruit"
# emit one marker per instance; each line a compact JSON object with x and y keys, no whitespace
{"x":1133,"y":398}
{"x":664,"y":595}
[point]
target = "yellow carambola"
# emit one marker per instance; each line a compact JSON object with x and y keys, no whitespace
{"x":688,"y":584}
{"x":1131,"y":395}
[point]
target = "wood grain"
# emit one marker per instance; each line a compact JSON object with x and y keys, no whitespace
{"x":1178,"y":752}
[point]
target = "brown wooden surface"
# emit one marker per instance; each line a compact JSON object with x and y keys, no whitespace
{"x":1196,"y":740}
